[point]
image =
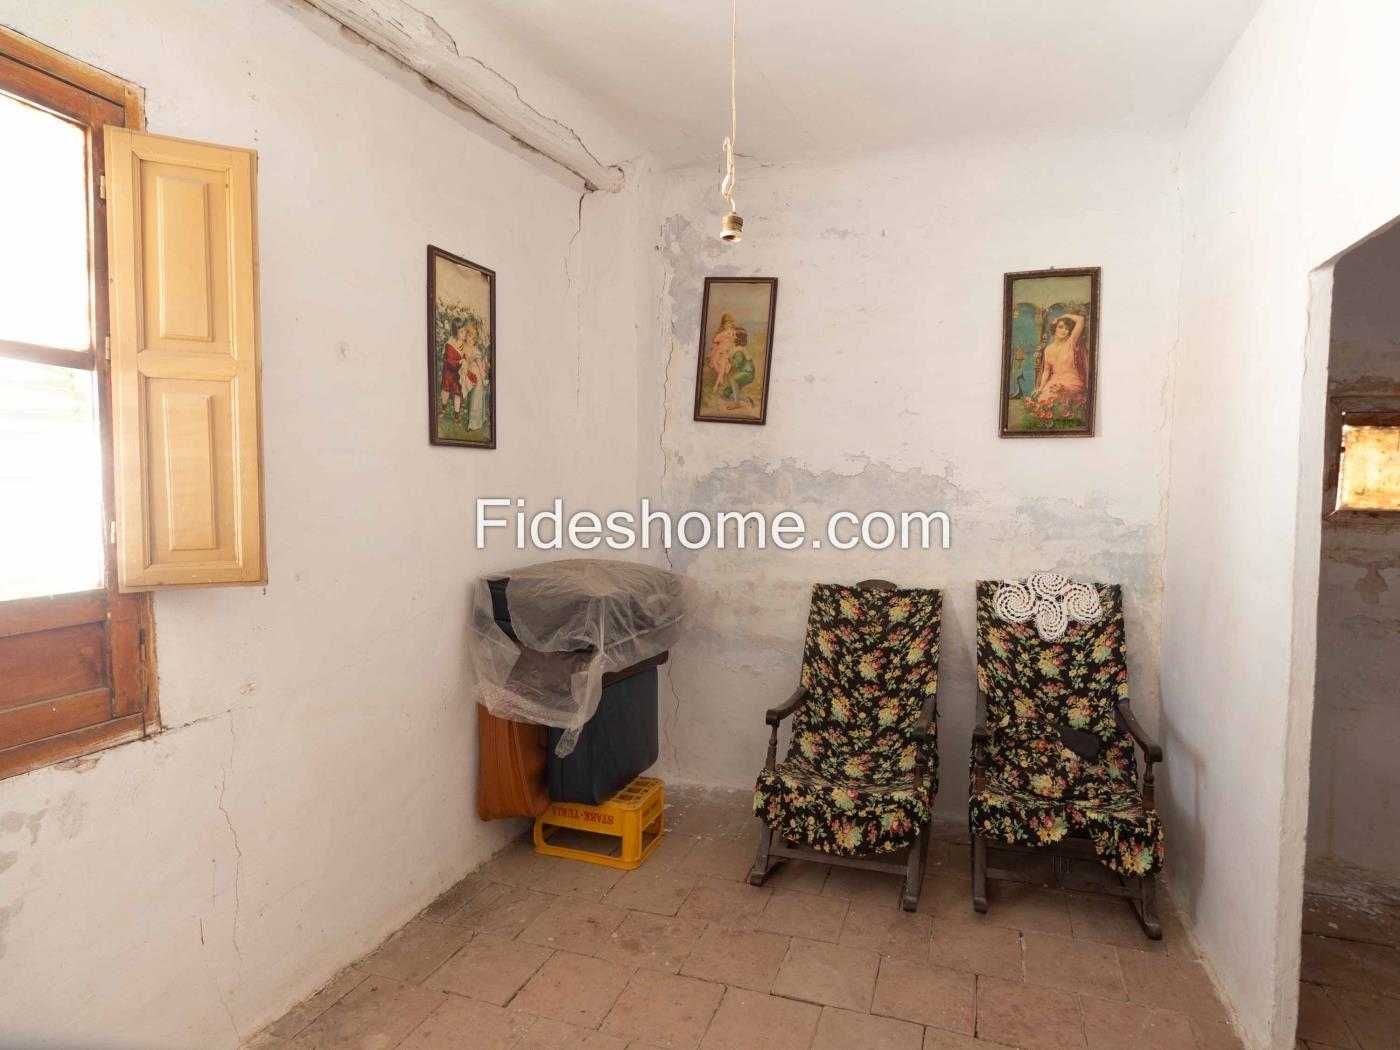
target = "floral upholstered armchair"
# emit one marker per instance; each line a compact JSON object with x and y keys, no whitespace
{"x":861,"y":770}
{"x":1053,"y":766}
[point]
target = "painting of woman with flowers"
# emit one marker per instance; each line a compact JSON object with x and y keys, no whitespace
{"x":1049,"y":353}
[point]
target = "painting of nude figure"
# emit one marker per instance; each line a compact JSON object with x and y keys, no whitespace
{"x":736,"y":349}
{"x":1049,"y":353}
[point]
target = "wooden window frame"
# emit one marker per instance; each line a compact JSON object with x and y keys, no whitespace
{"x":94,"y":99}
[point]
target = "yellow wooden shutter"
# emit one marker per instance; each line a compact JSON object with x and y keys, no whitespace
{"x":181,"y":221}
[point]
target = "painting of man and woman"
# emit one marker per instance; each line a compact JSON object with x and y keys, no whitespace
{"x":461,"y":352}
{"x":736,"y":342}
{"x":1049,"y":353}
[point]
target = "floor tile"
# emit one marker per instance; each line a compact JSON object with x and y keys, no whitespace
{"x":577,"y":878}
{"x":673,"y":849}
{"x":939,"y":859}
{"x":1319,"y":1019}
{"x":1076,"y":966}
{"x":1027,"y":908}
{"x":1382,"y":966}
{"x":801,"y":876}
{"x":735,"y":904}
{"x":948,"y":899}
{"x":1115,"y":1025}
{"x":1028,"y":1015}
{"x":651,"y":889}
{"x":1110,"y":920}
{"x":991,"y":950}
{"x":925,"y":994}
{"x":941,"y":1039}
{"x":378,"y":1013}
{"x":887,"y":930}
{"x":416,"y":950}
{"x":517,"y":865}
{"x":489,"y":969}
{"x":1175,"y":940}
{"x":663,"y":1010}
{"x":1353,"y":918}
{"x":1170,"y":983}
{"x":815,"y":937}
{"x":804,"y":915}
{"x":575,"y":989}
{"x":505,"y":912}
{"x":720,"y":858}
{"x":1216,"y":1035}
{"x":574,"y":924}
{"x":298,"y":1017}
{"x":265,"y":1040}
{"x":857,"y":884}
{"x":744,"y":958}
{"x":845,"y":1030}
{"x":549,"y":1034}
{"x":454,"y":899}
{"x":749,"y":1020}
{"x":818,"y":972}
{"x":1374,"y":1020}
{"x":460,"y":1022}
{"x":1332,"y":962}
{"x":654,"y":942}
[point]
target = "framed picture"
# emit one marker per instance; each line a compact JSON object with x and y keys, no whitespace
{"x":1050,"y":353}
{"x":736,"y":349}
{"x":461,"y":351}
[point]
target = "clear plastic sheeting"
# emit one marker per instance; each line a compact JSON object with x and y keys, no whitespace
{"x":544,"y":636}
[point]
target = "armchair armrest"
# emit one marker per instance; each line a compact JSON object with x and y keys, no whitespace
{"x":981,"y":733}
{"x":1150,"y":748}
{"x":926,"y":716}
{"x":776,"y":715}
{"x":791,"y":704}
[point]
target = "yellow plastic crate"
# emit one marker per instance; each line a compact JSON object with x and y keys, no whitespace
{"x":630,"y":823}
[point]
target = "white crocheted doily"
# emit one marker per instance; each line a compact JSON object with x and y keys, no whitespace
{"x":1051,"y":600}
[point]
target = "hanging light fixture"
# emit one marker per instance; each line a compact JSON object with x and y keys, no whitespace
{"x":731,"y":228}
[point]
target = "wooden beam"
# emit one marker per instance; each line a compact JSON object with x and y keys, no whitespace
{"x":418,"y":41}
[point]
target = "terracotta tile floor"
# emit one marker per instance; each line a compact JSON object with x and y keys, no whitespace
{"x":1350,"y":991}
{"x":540,"y":952}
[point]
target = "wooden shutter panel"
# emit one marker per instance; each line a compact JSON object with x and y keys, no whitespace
{"x":183,"y":275}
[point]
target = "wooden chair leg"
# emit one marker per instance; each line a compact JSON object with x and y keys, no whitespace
{"x":762,"y":866}
{"x":1145,"y":907}
{"x":979,"y":874}
{"x":914,"y":870}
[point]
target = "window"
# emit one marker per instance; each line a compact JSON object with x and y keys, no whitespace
{"x":130,"y":435}
{"x":1363,"y":475}
{"x":74,"y":652}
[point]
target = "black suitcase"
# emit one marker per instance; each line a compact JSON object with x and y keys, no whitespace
{"x":620,"y":741}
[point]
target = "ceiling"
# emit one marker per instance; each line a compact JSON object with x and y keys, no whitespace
{"x":817,"y":76}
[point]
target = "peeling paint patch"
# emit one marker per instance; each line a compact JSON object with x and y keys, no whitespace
{"x":79,"y":765}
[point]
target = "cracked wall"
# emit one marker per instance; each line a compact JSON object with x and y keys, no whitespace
{"x":1355,"y":785}
{"x":314,"y":786}
{"x":886,"y":369}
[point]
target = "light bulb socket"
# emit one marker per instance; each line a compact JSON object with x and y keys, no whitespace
{"x":731,"y":227}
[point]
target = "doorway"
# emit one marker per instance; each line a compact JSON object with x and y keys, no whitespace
{"x":1349,"y":994}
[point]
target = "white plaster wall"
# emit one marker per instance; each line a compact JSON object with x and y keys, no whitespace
{"x":1355,"y":781}
{"x":886,"y":377}
{"x":1283,"y":167}
{"x":315,"y":784}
